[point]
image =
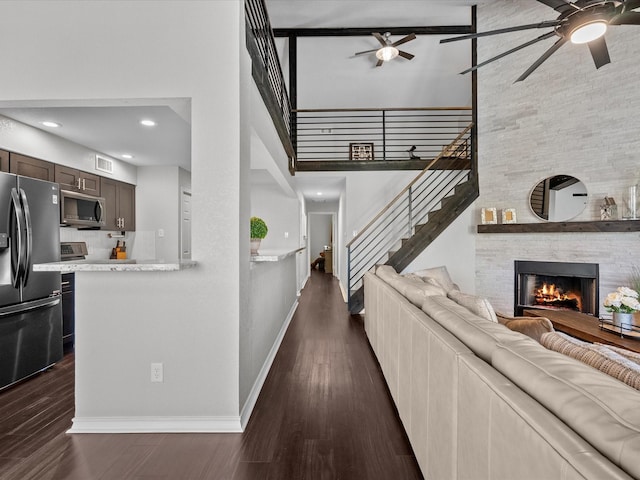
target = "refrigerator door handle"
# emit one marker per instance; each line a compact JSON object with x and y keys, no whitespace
{"x":17,"y":240}
{"x":29,"y":238}
{"x":26,"y":306}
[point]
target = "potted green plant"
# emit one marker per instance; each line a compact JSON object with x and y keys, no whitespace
{"x":258,"y":232}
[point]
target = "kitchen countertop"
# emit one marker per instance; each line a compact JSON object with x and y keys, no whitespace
{"x":128,"y":265}
{"x":274,"y":255}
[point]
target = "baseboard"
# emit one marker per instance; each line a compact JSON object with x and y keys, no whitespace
{"x":250,"y":403}
{"x":345,"y":297}
{"x":156,"y":425}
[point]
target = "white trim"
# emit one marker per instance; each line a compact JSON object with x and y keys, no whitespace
{"x":156,"y":425}
{"x":250,"y":403}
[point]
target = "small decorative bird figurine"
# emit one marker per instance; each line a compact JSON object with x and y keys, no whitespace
{"x":412,"y":155}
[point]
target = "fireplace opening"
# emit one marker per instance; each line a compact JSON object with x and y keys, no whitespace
{"x":556,"y":286}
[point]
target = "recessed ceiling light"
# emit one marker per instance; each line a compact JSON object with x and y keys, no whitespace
{"x":148,"y":123}
{"x":319,"y":194}
{"x":51,"y":124}
{"x":126,"y":155}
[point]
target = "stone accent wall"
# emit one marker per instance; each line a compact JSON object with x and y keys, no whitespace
{"x":566,"y":118}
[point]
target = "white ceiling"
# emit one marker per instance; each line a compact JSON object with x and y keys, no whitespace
{"x":114,"y":128}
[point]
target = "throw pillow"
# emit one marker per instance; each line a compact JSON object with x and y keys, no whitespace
{"x":478,"y":305}
{"x":439,"y":274}
{"x":532,"y":327}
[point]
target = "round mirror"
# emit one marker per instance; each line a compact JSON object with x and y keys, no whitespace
{"x":558,"y":198}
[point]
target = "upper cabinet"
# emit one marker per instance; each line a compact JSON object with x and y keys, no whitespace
{"x":31,"y":167}
{"x":4,"y":161}
{"x":77,"y":180}
{"x":120,"y":204}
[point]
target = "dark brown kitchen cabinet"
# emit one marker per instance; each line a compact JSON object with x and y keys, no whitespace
{"x":31,"y":167}
{"x":4,"y":161}
{"x":77,"y":180}
{"x":120,"y":204}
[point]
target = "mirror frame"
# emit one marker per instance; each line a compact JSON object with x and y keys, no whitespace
{"x":540,"y":198}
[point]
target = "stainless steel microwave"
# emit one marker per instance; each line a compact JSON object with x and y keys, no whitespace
{"x":78,"y":209}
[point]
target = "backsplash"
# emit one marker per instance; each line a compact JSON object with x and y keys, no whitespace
{"x":140,"y":244}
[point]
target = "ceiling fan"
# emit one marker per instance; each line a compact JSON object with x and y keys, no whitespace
{"x":582,"y":21}
{"x":388,"y":51}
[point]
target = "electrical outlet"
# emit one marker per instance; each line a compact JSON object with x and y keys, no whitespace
{"x":161,"y":232}
{"x":157,"y":375}
{"x":286,"y":234}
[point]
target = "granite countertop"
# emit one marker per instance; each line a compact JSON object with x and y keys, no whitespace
{"x":274,"y":255}
{"x":128,"y":265}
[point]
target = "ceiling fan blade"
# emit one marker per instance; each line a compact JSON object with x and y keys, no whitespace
{"x":367,"y":51}
{"x":380,"y":38}
{"x":380,"y":62}
{"x":545,"y":56}
{"x":515,"y":49}
{"x":627,"y":18}
{"x":599,"y":52}
{"x":559,"y":5}
{"x":546,"y":24}
{"x":406,"y":55}
{"x":408,"y":38}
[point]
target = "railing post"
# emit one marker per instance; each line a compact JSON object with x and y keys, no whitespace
{"x":410,"y":210}
{"x":384,"y":135}
{"x":349,"y":276}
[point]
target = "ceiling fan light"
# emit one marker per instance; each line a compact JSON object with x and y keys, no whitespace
{"x":387,"y":53}
{"x":588,"y":32}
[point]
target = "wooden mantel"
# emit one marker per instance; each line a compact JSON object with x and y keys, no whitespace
{"x":561,"y":227}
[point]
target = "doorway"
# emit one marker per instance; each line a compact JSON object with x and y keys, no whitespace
{"x":321,"y":236}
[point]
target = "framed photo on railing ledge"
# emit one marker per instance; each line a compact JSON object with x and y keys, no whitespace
{"x":361,"y":151}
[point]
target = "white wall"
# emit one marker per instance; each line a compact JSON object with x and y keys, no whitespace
{"x":189,"y":320}
{"x":566,"y":118}
{"x":280,"y":212}
{"x":158,"y":205}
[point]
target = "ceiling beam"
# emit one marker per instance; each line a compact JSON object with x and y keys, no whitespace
{"x":358,"y":32}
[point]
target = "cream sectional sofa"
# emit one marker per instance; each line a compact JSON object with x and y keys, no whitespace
{"x":480,"y":401}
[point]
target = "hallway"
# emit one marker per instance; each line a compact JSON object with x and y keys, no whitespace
{"x":324,"y":413}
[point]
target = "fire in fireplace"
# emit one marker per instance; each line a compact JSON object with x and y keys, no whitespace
{"x":557,"y":286}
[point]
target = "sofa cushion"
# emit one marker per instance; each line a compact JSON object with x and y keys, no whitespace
{"x":480,"y":335}
{"x":440,"y":275}
{"x":478,"y":305}
{"x":596,"y":356}
{"x":386,"y":273}
{"x":601,"y":409}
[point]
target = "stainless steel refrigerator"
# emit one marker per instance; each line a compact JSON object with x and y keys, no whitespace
{"x":30,"y":302}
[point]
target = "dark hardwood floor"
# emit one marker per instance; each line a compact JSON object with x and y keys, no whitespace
{"x":323,"y":413}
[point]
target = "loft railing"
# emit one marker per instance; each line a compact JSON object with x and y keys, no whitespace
{"x":409,"y":209}
{"x":389,"y":134}
{"x":267,"y":72}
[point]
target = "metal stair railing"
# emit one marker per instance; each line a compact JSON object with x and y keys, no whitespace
{"x":408,"y":210}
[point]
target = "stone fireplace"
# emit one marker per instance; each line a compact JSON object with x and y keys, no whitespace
{"x":556,"y":286}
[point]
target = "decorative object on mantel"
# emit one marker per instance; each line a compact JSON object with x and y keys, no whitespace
{"x":258,"y":232}
{"x":608,"y":209}
{"x":509,"y":215}
{"x":489,"y":216}
{"x":631,"y":203}
{"x":622,"y":303}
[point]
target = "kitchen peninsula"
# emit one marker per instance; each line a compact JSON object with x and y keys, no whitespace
{"x":115,"y":266}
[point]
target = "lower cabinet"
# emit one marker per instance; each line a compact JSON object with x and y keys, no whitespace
{"x":68,"y":310}
{"x":120,"y":204}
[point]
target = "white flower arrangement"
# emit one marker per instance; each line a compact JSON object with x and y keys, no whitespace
{"x":623,"y":300}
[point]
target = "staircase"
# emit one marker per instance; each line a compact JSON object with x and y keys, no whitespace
{"x":416,"y":216}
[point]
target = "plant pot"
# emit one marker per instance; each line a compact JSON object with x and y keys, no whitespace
{"x":255,"y":245}
{"x":623,"y":320}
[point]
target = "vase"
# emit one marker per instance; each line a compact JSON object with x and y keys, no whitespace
{"x":255,"y":245}
{"x":623,"y":320}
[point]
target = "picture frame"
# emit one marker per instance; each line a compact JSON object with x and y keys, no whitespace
{"x":509,"y":215}
{"x":489,"y":216}
{"x":361,"y":151}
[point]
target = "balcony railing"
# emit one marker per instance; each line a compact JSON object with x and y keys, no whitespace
{"x":388,"y":134}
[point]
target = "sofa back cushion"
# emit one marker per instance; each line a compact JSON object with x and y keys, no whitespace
{"x":601,"y":409}
{"x":480,"y":335}
{"x":478,"y":305}
{"x":440,"y":275}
